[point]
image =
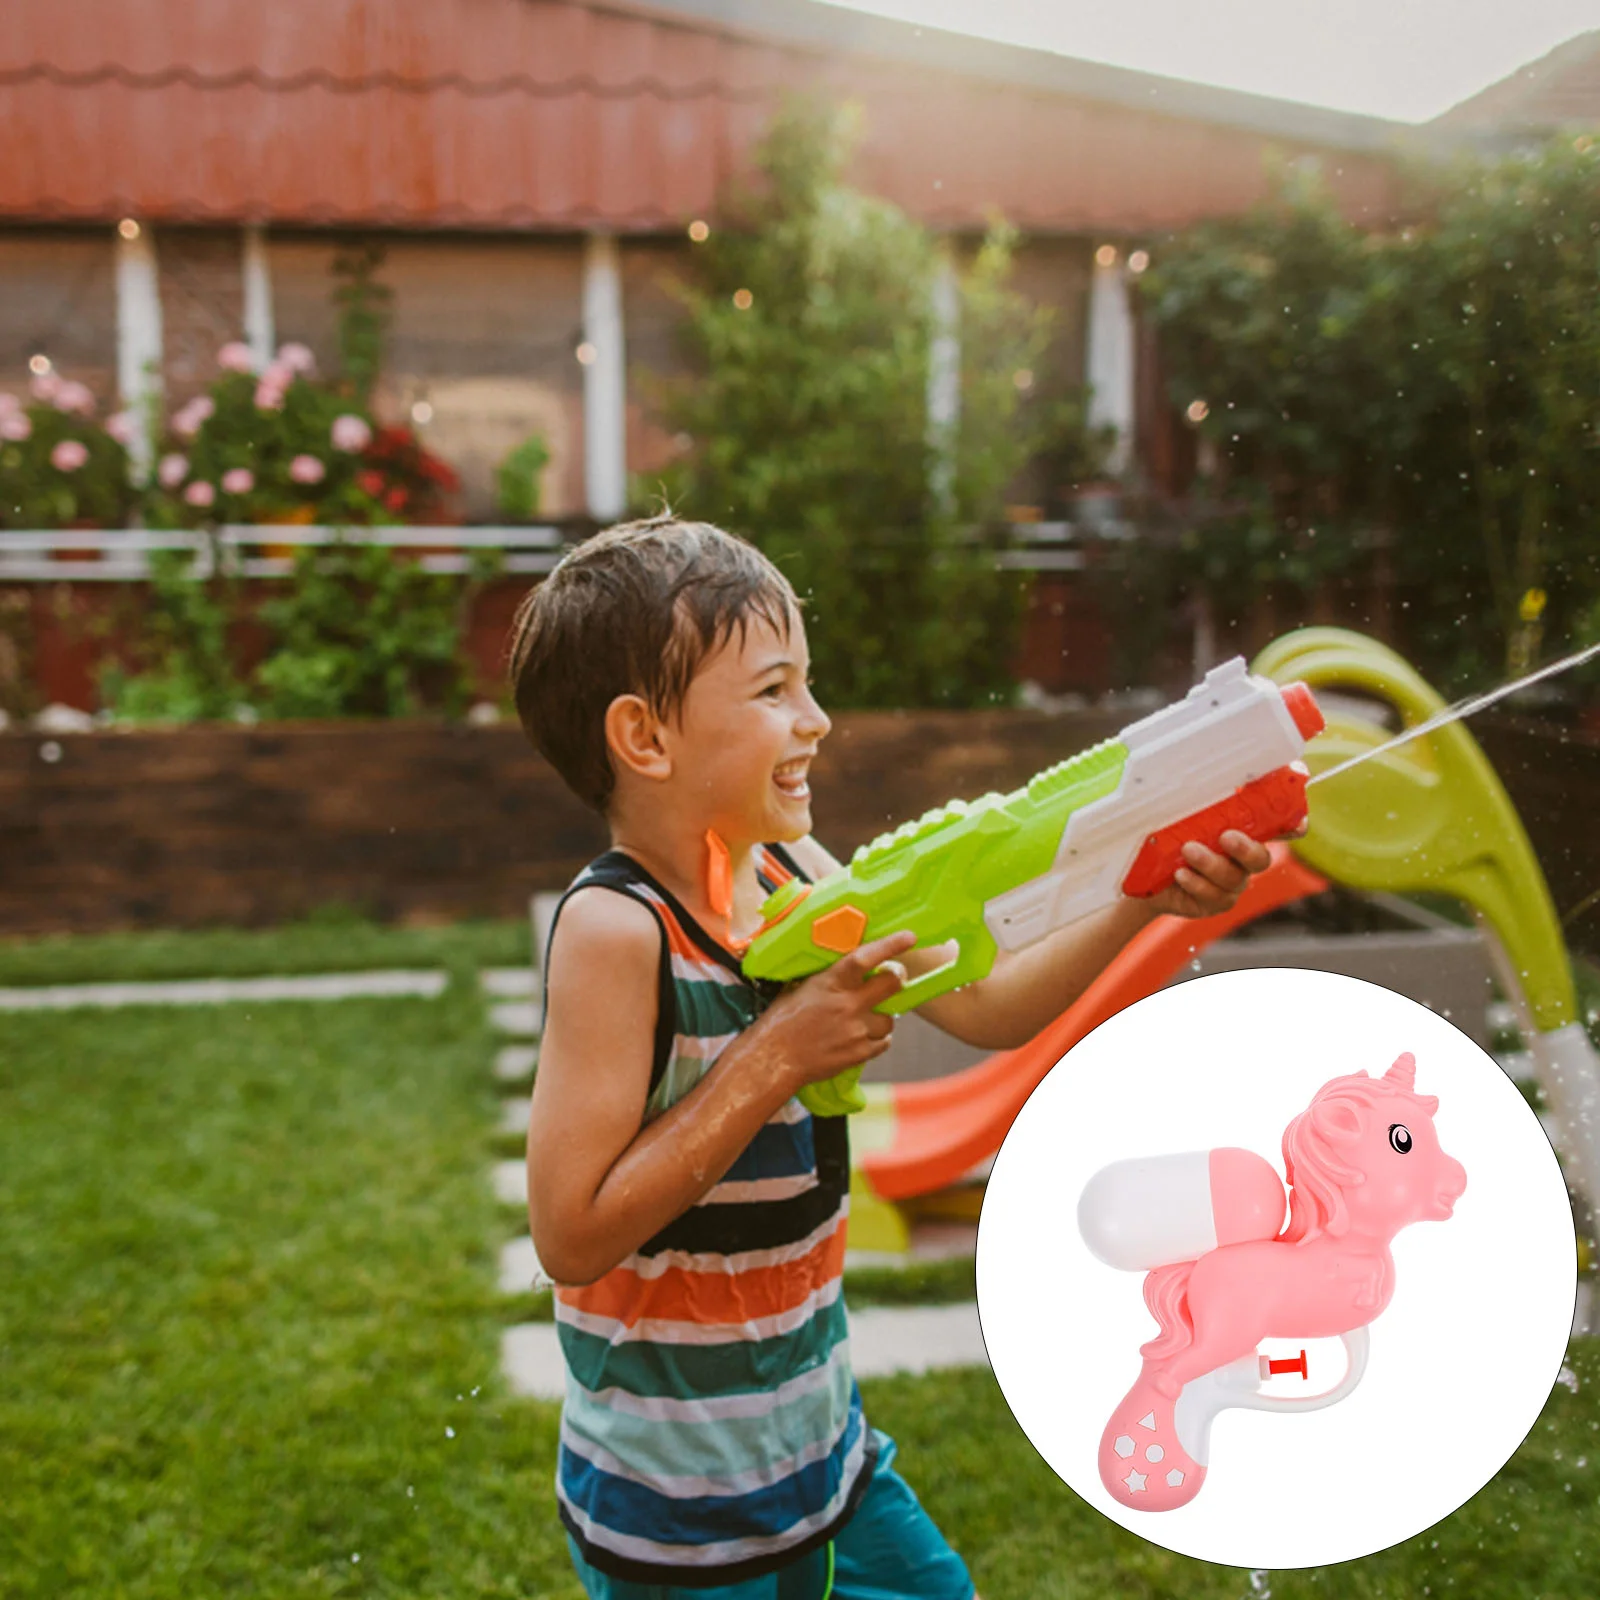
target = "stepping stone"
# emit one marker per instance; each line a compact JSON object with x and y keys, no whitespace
{"x":424,"y":985}
{"x":522,"y":1019}
{"x":530,"y":1358}
{"x":515,"y":1063}
{"x":887,"y":1339}
{"x":514,"y":1116}
{"x":508,"y":983}
{"x":511,"y":1182}
{"x":520,"y":1272}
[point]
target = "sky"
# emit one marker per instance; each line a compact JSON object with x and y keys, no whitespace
{"x":1404,"y":59}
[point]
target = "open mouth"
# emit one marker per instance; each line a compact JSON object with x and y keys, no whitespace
{"x":790,"y":779}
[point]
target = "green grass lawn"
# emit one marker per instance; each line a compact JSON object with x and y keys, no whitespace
{"x":249,"y":1333}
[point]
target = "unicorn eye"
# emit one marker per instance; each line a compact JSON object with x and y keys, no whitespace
{"x":1400,"y":1137}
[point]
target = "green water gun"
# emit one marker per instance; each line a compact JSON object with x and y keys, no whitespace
{"x":1002,"y":871}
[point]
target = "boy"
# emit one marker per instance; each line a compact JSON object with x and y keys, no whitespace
{"x":690,"y":1210}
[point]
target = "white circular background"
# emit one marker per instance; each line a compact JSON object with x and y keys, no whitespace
{"x":1462,"y":1359}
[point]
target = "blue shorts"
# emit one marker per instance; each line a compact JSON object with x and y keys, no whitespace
{"x":889,"y":1550}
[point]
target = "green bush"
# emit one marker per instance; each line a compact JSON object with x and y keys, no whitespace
{"x":183,"y":667}
{"x":1426,"y":392}
{"x":810,"y":326}
{"x":361,"y":633}
{"x":517,"y":479}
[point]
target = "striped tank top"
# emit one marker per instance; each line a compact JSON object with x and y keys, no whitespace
{"x":712,"y":1421}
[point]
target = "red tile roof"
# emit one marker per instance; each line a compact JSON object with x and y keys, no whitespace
{"x":1560,"y":89}
{"x":565,"y":114}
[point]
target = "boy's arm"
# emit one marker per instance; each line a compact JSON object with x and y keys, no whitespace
{"x":1028,"y":989}
{"x":599,"y":1185}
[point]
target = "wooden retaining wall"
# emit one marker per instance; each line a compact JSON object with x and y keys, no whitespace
{"x":411,"y":821}
{"x":419,"y":821}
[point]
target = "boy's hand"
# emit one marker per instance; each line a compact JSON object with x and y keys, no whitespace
{"x":1211,"y":883}
{"x":826,"y":1022}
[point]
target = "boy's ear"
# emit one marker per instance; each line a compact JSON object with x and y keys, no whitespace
{"x":633,"y":735}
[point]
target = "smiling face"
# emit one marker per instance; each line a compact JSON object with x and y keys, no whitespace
{"x":748,"y":731}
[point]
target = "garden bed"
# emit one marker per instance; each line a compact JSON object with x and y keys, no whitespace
{"x":415,"y":821}
{"x":401,"y":820}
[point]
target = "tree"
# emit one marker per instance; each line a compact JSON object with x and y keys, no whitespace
{"x":1436,"y":383}
{"x":810,"y":326}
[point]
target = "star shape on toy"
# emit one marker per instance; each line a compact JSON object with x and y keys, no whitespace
{"x":1135,"y":1482}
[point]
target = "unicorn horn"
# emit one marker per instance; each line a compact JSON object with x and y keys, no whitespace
{"x":1404,"y":1071}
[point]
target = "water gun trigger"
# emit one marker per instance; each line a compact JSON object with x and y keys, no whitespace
{"x":1357,"y":1344}
{"x":1266,"y":808}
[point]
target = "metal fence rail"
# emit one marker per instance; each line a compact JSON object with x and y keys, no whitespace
{"x":122,"y":555}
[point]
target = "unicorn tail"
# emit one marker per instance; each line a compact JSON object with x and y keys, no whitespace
{"x":1166,"y":1293}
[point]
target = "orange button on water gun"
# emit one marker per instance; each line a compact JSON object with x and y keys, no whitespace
{"x":839,"y":931}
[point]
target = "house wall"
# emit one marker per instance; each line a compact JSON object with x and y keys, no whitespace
{"x":483,"y":329}
{"x":58,"y":297}
{"x":656,"y":358}
{"x":202,"y":305}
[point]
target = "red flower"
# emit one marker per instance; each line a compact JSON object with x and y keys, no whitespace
{"x":370,"y":482}
{"x":395,"y":498}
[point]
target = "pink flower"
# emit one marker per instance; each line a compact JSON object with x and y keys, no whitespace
{"x":238,"y":480}
{"x":350,"y":433}
{"x":193,"y":416}
{"x":235,"y":357}
{"x":15,"y":426}
{"x":69,"y":455}
{"x":307,"y":469}
{"x":296,"y":357}
{"x":45,"y":387}
{"x":73,"y":396}
{"x":9,"y":404}
{"x":269,"y":397}
{"x":200,"y":493}
{"x":121,"y":427}
{"x":174,"y":468}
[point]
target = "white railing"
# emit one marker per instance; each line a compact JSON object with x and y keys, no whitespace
{"x":122,"y":555}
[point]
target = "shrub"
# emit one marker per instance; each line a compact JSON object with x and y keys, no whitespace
{"x":270,"y":447}
{"x":810,"y":324}
{"x":58,"y":464}
{"x":182,"y":669}
{"x":362,"y":632}
{"x":1429,"y":390}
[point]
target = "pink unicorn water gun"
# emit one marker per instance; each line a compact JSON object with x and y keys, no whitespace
{"x":1224,"y":1273}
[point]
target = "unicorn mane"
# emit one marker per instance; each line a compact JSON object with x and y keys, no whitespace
{"x":1316,"y":1174}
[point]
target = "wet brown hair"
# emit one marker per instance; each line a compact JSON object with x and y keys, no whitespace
{"x":637,"y":609}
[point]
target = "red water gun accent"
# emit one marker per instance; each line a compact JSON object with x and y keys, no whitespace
{"x":1265,"y":809}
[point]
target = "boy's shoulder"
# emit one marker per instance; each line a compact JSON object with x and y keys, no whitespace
{"x":605,"y":931}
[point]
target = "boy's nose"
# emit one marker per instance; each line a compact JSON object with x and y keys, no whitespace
{"x":814,"y":718}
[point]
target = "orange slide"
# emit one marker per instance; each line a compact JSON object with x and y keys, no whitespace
{"x":941,"y":1129}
